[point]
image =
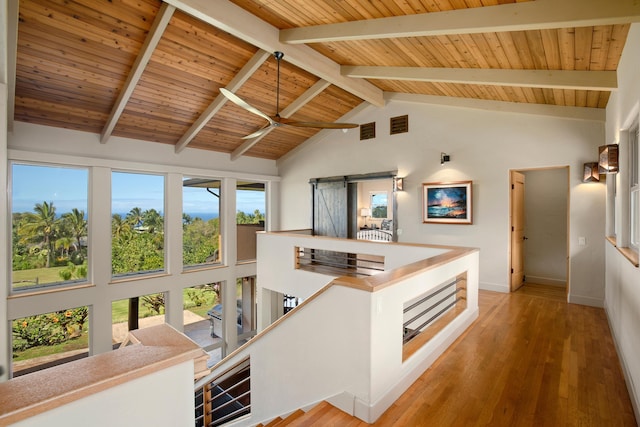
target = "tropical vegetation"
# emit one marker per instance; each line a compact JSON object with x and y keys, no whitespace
{"x":49,"y":248}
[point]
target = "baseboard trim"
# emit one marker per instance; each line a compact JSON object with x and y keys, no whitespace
{"x":495,"y":287}
{"x":582,"y":300}
{"x":628,"y":379}
{"x":546,"y":281}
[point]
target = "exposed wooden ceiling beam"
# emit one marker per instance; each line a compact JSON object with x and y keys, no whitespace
{"x":559,"y":79}
{"x":577,"y":113}
{"x":243,"y":75}
{"x":303,"y":99}
{"x":228,"y":17}
{"x":539,"y":14}
{"x":155,"y":34}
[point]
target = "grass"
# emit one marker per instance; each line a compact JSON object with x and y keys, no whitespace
{"x":81,"y":342}
{"x":22,"y":278}
{"x":120,"y":308}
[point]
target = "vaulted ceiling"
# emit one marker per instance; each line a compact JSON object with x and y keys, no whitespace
{"x":153,"y":70}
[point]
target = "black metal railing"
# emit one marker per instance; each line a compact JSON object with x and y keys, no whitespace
{"x":342,"y":263}
{"x":224,"y":398}
{"x":421,"y":313}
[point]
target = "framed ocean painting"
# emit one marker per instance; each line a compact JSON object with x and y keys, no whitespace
{"x":446,"y":202}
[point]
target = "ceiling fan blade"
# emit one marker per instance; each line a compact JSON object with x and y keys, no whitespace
{"x":241,"y":103}
{"x":259,"y":132}
{"x":322,"y":125}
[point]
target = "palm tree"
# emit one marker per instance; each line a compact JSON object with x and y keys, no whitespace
{"x":63,"y":243}
{"x":77,"y":224}
{"x":135,"y":217}
{"x":153,"y":220}
{"x":119,"y":226}
{"x":41,"y":225}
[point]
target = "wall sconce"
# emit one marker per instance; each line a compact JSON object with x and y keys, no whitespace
{"x":591,"y":172}
{"x":608,"y":158}
{"x":398,"y":184}
{"x":365,"y":212}
{"x":444,"y":157}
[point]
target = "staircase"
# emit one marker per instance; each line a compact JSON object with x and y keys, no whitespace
{"x":323,"y":414}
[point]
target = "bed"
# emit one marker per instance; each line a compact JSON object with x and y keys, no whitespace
{"x":382,"y":234}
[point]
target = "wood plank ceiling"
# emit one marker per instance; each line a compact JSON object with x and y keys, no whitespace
{"x":151,"y":70}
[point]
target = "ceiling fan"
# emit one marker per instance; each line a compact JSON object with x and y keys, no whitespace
{"x":277,"y":121}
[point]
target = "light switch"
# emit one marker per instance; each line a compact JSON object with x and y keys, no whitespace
{"x":582,"y":241}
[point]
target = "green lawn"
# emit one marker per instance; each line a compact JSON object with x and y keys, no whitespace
{"x":47,"y":350}
{"x":23,"y":278}
{"x":120,"y":309}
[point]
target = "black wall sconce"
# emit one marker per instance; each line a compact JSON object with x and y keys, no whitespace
{"x":608,"y":158}
{"x":444,"y":157}
{"x":591,"y":172}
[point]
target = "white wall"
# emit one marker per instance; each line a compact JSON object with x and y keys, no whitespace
{"x":545,"y":212}
{"x":623,"y":280}
{"x":141,"y":402}
{"x":484,"y":146}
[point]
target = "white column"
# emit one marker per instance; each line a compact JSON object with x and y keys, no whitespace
{"x":173,"y":248}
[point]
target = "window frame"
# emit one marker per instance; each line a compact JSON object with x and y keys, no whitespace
{"x":374,"y":193}
{"x":634,"y":187}
{"x":117,"y":277}
{"x":45,"y":287}
{"x":219,"y":260}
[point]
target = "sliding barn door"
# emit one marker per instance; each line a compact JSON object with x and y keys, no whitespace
{"x":330,"y":209}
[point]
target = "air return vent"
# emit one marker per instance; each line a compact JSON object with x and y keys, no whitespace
{"x":399,"y":124}
{"x":367,"y":131}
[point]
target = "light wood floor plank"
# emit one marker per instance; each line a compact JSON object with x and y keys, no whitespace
{"x":530,"y":359}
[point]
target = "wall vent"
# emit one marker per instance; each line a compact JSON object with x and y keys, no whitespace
{"x":399,"y":124}
{"x":367,"y":131}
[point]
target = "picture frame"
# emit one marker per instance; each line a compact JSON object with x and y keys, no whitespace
{"x":447,"y":202}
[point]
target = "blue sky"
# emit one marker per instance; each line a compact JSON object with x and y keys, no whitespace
{"x":67,"y":189}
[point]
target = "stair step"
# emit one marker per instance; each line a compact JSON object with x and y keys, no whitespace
{"x":325,"y":414}
{"x":291,"y":418}
{"x":273,"y":422}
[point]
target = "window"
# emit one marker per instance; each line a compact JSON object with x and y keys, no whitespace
{"x":202,"y":318}
{"x":44,"y":340}
{"x":136,"y":313}
{"x":200,"y":221}
{"x":137,"y":223}
{"x":634,"y":187}
{"x":250,"y":217}
{"x":379,"y":204}
{"x":246,"y":307}
{"x":49,"y":225}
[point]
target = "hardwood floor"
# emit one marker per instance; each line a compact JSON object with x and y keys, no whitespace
{"x":530,"y":359}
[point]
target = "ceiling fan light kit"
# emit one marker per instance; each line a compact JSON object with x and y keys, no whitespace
{"x":277,"y":121}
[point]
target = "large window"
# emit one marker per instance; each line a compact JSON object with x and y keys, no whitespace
{"x":137,"y":223}
{"x":379,"y":204}
{"x":200,"y":221}
{"x":49,"y":225}
{"x":136,"y":313}
{"x":246,"y":308}
{"x":250,"y":217}
{"x":202,"y":318}
{"x":634,"y":187}
{"x":49,"y":339}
